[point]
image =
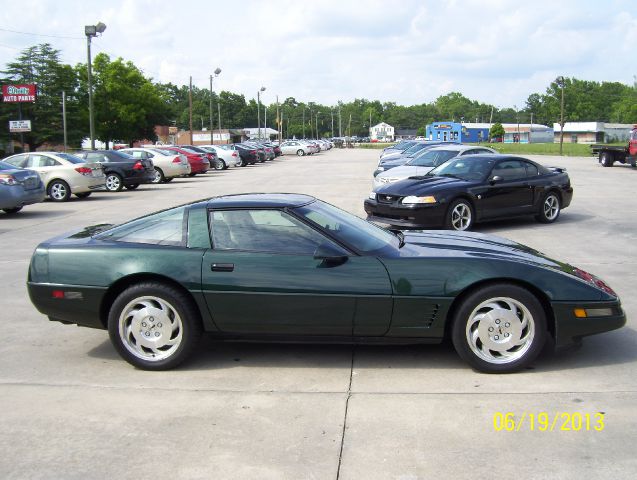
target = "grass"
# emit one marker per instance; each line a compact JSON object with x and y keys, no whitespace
{"x":569,"y":149}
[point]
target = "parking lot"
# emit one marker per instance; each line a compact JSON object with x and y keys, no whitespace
{"x":71,"y":408}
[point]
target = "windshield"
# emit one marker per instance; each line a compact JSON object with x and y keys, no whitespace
{"x":432,"y":158}
{"x":364,"y":236}
{"x":166,"y":153}
{"x":466,"y":168}
{"x":414,"y":148}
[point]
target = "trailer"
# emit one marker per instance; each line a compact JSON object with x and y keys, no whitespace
{"x":607,"y":155}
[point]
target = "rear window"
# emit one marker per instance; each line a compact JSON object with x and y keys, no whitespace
{"x":70,"y":158}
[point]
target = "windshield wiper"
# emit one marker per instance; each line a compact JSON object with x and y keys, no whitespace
{"x":400,"y":235}
{"x":450,"y":175}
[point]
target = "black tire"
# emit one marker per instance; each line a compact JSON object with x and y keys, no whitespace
{"x":159,"y":176}
{"x":220,"y":165}
{"x":192,"y":174}
{"x":495,"y":317}
{"x":83,"y":194}
{"x":11,"y":211}
{"x":460,"y":215}
{"x":240,"y":163}
{"x":173,"y":327}
{"x":131,"y":186}
{"x":114,"y":182}
{"x":169,"y":179}
{"x":300,"y":152}
{"x":550,"y":208}
{"x":606,"y":159}
{"x":59,"y":191}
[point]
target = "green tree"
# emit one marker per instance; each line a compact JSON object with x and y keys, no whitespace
{"x":497,"y":131}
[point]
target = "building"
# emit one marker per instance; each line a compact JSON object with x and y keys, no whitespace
{"x":383,"y":132}
{"x":405,"y":133}
{"x":479,"y":132}
{"x":593,"y":132}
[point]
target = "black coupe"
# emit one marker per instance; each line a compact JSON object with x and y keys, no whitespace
{"x":467,"y":190}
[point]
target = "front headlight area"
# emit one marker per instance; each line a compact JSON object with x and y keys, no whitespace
{"x":414,"y":200}
{"x":593,"y":312}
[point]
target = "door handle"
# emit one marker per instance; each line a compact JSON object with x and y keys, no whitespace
{"x":222,"y":267}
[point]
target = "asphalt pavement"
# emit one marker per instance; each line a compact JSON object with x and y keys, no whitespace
{"x":72,"y":409}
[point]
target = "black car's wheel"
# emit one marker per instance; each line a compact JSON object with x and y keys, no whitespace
{"x":606,"y":159}
{"x":11,"y":211}
{"x":59,"y":191}
{"x":499,"y":328}
{"x":83,"y":194}
{"x":114,"y":182}
{"x":300,"y":152}
{"x":220,"y":165}
{"x":159,"y":176}
{"x":239,"y":162}
{"x":459,"y":215}
{"x":154,"y":326}
{"x":131,"y":186}
{"x":549,"y":209}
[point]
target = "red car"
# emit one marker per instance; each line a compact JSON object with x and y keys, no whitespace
{"x":199,"y":163}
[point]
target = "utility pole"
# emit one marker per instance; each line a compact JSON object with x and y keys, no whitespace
{"x":278,"y":119}
{"x":304,"y":107}
{"x":316,"y":121}
{"x":340,"y":123}
{"x":332,"y":115}
{"x":262,"y":89}
{"x":190,"y":110}
{"x":560,"y":82}
{"x":64,"y":118}
{"x":219,"y":117}
{"x":90,"y":31}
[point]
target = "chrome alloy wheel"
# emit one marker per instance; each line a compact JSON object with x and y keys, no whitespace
{"x":500,"y":330}
{"x":113,"y":183}
{"x":551,"y":207}
{"x":58,"y":191}
{"x":150,"y":328}
{"x":461,"y":217}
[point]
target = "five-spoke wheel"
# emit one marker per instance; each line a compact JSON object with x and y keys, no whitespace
{"x":459,"y":215}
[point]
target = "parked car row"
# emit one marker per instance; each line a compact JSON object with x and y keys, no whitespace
{"x":28,"y":178}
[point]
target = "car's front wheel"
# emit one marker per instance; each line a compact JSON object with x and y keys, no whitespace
{"x":459,"y":215}
{"x":154,"y":326}
{"x":550,"y":208}
{"x":499,"y":328}
{"x":114,"y":182}
{"x":300,"y":152}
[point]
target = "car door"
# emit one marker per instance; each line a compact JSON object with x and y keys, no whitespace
{"x":47,"y":167}
{"x":261,"y":277}
{"x":510,"y":194}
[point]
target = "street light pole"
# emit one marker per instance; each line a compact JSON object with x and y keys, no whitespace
{"x":560,"y":82}
{"x":262,"y":89}
{"x":91,"y":31}
{"x":212,"y":141}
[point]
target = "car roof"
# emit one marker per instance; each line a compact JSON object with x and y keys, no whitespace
{"x":455,"y":147}
{"x":260,"y":200}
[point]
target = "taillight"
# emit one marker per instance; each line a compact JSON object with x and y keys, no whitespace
{"x":138,"y":165}
{"x":176,"y":160}
{"x":84,"y":170}
{"x":6,"y":179}
{"x":234,"y":154}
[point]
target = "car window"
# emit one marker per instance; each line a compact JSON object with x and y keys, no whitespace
{"x":168,"y":227}
{"x":36,"y":161}
{"x":18,"y":160}
{"x":96,"y":157}
{"x":531,"y":170}
{"x":509,"y":170}
{"x":263,"y":231}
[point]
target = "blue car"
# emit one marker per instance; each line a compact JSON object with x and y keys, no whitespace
{"x":19,"y":187}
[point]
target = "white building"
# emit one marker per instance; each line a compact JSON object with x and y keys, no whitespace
{"x":383,"y":132}
{"x":592,"y":132}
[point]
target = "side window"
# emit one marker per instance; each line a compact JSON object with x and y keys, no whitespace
{"x":18,"y":161}
{"x":531,"y":170}
{"x":164,"y":228}
{"x":137,"y":154}
{"x":263,"y":231}
{"x":36,"y":161}
{"x":96,"y":157}
{"x":510,"y":170}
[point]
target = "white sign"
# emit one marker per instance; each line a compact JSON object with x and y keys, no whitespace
{"x":18,"y":126}
{"x":205,"y":137}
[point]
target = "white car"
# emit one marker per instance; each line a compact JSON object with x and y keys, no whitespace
{"x":296,"y":147}
{"x":63,"y":174}
{"x":167,"y":165}
{"x":425,"y":162}
{"x":229,"y":158}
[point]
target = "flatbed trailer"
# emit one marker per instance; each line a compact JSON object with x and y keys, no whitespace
{"x":607,"y":155}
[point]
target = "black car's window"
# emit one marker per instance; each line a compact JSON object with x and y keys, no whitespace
{"x":263,"y":231}
{"x":18,"y":160}
{"x":138,"y":154}
{"x":96,"y":157}
{"x":36,"y":161}
{"x":531,"y":170}
{"x":466,"y":168}
{"x":509,"y":170}
{"x":168,"y":227}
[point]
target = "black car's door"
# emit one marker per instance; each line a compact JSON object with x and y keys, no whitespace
{"x":510,"y":194}
{"x":261,"y":277}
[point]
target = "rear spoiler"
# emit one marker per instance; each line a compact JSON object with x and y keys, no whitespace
{"x":557,"y":169}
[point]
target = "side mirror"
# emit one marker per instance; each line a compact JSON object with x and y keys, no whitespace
{"x":496,"y":179}
{"x":330,"y":255}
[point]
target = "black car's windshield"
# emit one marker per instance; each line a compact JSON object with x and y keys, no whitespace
{"x":432,"y":158}
{"x":466,"y":168}
{"x":364,"y":236}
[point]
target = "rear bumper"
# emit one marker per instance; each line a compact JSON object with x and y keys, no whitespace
{"x":570,"y":330}
{"x":144,"y":176}
{"x":13,"y":196}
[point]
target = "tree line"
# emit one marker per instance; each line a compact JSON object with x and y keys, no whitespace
{"x":128,"y":105}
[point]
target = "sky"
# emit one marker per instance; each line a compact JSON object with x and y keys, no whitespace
{"x":403,"y":51}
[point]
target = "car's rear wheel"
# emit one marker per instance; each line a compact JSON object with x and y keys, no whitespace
{"x":300,"y":152}
{"x":606,"y":159}
{"x":550,"y":208}
{"x":499,"y":328}
{"x":459,"y":215}
{"x":114,"y":182}
{"x":168,"y":179}
{"x":154,"y":326}
{"x":220,"y":165}
{"x":239,"y":162}
{"x":83,"y":194}
{"x":159,"y":176}
{"x":59,"y":191}
{"x":11,"y":211}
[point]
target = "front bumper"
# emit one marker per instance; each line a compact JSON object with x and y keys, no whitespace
{"x":407,"y":216}
{"x":570,"y":329}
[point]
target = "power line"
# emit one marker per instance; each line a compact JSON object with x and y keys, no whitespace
{"x":39,"y":34}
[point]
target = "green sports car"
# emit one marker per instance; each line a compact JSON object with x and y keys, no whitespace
{"x":276,"y":267}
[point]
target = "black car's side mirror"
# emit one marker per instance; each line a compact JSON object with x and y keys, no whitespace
{"x":496,"y":179}
{"x":330,"y":255}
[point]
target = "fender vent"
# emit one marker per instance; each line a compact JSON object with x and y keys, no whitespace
{"x":431,"y":312}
